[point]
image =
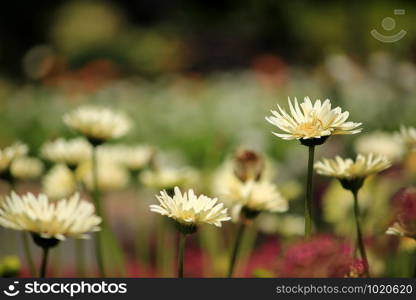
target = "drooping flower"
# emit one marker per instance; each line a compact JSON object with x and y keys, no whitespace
{"x":348,"y":169}
{"x":70,"y":152}
{"x":59,"y":220}
{"x":311,"y":121}
{"x":26,"y":168}
{"x":59,"y":182}
{"x":98,"y":124}
{"x":190,"y":210}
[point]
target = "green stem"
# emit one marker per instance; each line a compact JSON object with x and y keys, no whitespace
{"x":97,"y":202}
{"x":28,"y":254}
{"x":80,"y":254}
{"x":237,"y":243}
{"x":308,"y":199}
{"x":42,"y":273}
{"x":360,"y":241}
{"x":181,"y":254}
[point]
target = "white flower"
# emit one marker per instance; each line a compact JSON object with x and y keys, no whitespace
{"x":381,"y":143}
{"x":134,"y":157}
{"x":69,"y":152}
{"x":111,"y":175}
{"x":363,"y":166}
{"x":8,"y":154}
{"x":59,"y":182}
{"x":26,"y":167}
{"x":189,"y":209}
{"x":168,"y":178}
{"x":258,"y":196}
{"x":36,"y":214}
{"x":98,"y":123}
{"x":309,"y":121}
{"x":408,"y":137}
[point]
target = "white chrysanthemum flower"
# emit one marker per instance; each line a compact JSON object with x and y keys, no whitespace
{"x":381,"y":143}
{"x":168,"y":178}
{"x":257,"y":196}
{"x":98,"y":123}
{"x":59,"y":182}
{"x":408,"y":136}
{"x":69,"y":152}
{"x":189,"y":209}
{"x":8,"y":154}
{"x":312,"y":121}
{"x":363,"y":166}
{"x":133,"y":157}
{"x":26,"y":168}
{"x":111,"y":175}
{"x":71,"y":217}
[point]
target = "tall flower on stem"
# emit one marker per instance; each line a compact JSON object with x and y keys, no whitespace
{"x":98,"y":125}
{"x":311,"y":124}
{"x":188,"y":212}
{"x":351,"y":175}
{"x":48,"y":222}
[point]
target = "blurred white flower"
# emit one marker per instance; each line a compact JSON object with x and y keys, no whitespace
{"x":111,"y":175}
{"x":98,"y":124}
{"x":69,"y":152}
{"x":133,"y":157}
{"x":189,"y":209}
{"x":381,"y":143}
{"x":59,"y":182}
{"x":168,"y":178}
{"x":408,"y":136}
{"x":26,"y":167}
{"x":363,"y":166}
{"x":71,"y":217}
{"x":253,"y":196}
{"x":312,"y":121}
{"x":8,"y":154}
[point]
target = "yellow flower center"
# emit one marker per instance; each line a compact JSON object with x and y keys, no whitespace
{"x":311,"y":128}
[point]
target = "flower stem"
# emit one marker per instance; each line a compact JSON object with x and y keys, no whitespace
{"x":42,"y":273}
{"x":237,"y":243}
{"x":308,"y":199}
{"x":97,"y":202}
{"x":181,"y":254}
{"x":28,"y":254}
{"x":360,"y":241}
{"x":79,"y":248}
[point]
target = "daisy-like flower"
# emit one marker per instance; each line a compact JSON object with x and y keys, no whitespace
{"x":408,"y":136}
{"x":26,"y":168}
{"x":308,"y":121}
{"x":98,"y":124}
{"x":70,"y":152}
{"x":111,"y":175}
{"x":167,"y":178}
{"x":71,"y":217}
{"x":134,"y":157}
{"x":190,"y":210}
{"x":253,"y":197}
{"x":59,"y":182}
{"x":8,"y":154}
{"x":349,"y":171}
{"x":382,"y":143}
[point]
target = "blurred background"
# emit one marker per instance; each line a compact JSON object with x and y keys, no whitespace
{"x":197,"y":78}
